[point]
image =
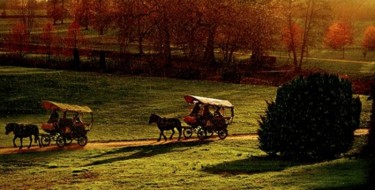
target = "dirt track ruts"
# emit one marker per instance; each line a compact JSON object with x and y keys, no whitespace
{"x":133,"y":143}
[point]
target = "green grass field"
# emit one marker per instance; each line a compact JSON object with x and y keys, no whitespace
{"x":228,"y":164}
{"x":122,"y":105}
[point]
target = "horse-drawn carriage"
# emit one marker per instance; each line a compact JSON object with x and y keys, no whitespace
{"x":64,"y":130}
{"x":203,"y":122}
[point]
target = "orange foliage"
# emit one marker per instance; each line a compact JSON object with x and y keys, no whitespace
{"x":18,"y":39}
{"x":292,"y":37}
{"x":339,"y":35}
{"x":369,"y":38}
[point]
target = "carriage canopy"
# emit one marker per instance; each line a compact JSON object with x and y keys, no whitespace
{"x":208,"y":101}
{"x":50,"y":105}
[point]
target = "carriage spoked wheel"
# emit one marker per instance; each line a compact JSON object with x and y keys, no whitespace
{"x":68,"y":140}
{"x":209,"y":133}
{"x":82,"y":140}
{"x":187,"y":132}
{"x":45,"y":140}
{"x":201,"y":134}
{"x":222,"y":133}
{"x":60,"y":141}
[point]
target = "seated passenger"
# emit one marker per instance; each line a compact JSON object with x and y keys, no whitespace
{"x":217,"y":112}
{"x":77,"y":122}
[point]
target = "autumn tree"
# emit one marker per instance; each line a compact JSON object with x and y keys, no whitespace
{"x":74,"y":39}
{"x":338,"y":36}
{"x":18,"y":39}
{"x":47,"y":39}
{"x":368,"y":42}
{"x":312,"y":16}
{"x":101,"y":15}
{"x":188,"y":33}
{"x":162,"y":20}
{"x":291,"y":38}
{"x":27,"y":9}
{"x":56,"y":10}
{"x":262,"y":28}
{"x":231,"y":35}
{"x":215,"y":14}
{"x":82,"y":12}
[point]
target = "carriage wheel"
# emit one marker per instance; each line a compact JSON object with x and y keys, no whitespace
{"x":201,"y":134}
{"x":222,"y":133}
{"x":210,"y":133}
{"x":188,"y":132}
{"x":60,"y":141}
{"x":45,"y":140}
{"x":68,"y":140}
{"x":82,"y":140}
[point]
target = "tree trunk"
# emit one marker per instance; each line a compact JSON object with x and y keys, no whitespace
{"x":102,"y":60}
{"x":209,"y":53}
{"x":76,"y":59}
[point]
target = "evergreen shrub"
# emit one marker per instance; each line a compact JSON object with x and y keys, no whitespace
{"x":313,"y":118}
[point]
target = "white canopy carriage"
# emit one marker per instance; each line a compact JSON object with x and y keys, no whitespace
{"x":203,"y":122}
{"x":64,"y":130}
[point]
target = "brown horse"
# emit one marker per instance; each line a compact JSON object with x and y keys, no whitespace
{"x":22,"y":131}
{"x":166,"y":124}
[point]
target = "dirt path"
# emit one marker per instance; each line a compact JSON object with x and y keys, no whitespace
{"x":134,"y":143}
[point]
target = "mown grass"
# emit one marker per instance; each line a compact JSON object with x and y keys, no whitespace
{"x":228,"y":164}
{"x":121,"y":104}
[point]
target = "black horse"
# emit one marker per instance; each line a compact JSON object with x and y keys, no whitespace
{"x":22,"y":131}
{"x":166,"y":124}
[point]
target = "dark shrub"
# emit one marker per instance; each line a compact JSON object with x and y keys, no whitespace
{"x":313,"y":118}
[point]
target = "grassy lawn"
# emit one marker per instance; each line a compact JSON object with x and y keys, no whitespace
{"x":122,"y":105}
{"x":228,"y":164}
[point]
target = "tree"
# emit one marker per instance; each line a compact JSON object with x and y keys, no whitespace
{"x":74,"y":38}
{"x":47,"y":38}
{"x":56,"y":10}
{"x":82,"y":12}
{"x":369,"y":38}
{"x":312,"y":16}
{"x":262,"y":28}
{"x":101,"y":16}
{"x":27,"y":12}
{"x":338,"y":36}
{"x":291,"y":38}
{"x":312,"y":118}
{"x":215,"y":14}
{"x":232,"y":36}
{"x":18,"y":39}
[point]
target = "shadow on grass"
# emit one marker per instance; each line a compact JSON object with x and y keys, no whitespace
{"x":144,"y":151}
{"x":253,"y":165}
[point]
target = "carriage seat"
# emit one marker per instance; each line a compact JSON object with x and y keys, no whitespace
{"x":48,"y":126}
{"x":190,"y":120}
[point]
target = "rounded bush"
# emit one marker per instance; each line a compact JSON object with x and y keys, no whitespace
{"x":312,"y":118}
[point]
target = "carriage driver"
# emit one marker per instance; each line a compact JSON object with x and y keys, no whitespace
{"x":54,"y":117}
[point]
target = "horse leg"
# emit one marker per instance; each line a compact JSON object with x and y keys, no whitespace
{"x":179,"y":132}
{"x":31,"y":141}
{"x":170,"y":138}
{"x":14,"y":141}
{"x":21,"y":142}
{"x":36,"y":138}
{"x":161,"y":133}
